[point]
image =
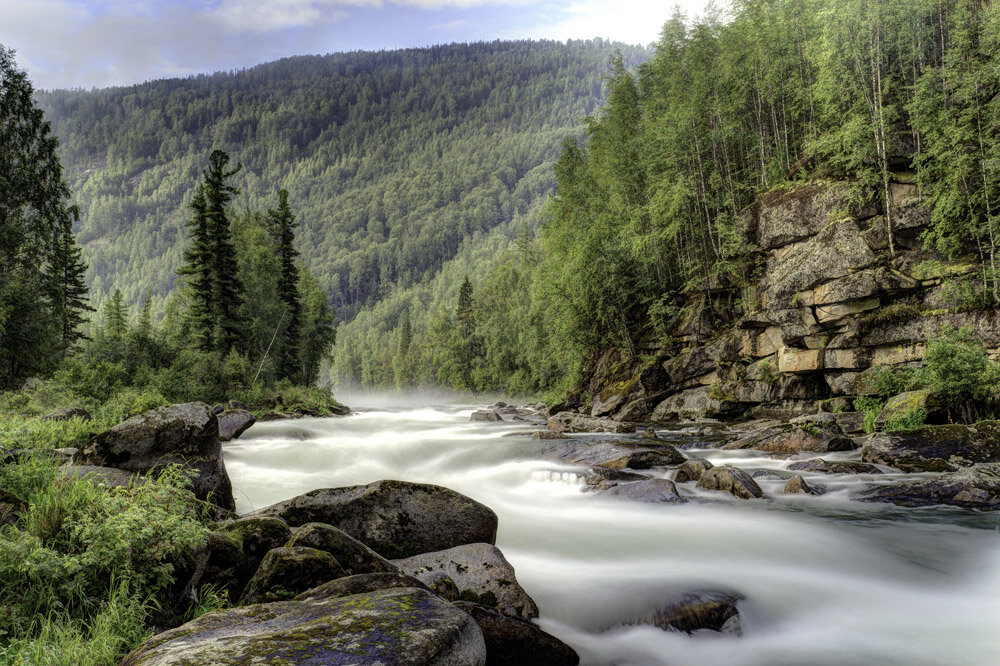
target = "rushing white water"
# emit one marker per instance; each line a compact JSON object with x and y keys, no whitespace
{"x":827,"y":580}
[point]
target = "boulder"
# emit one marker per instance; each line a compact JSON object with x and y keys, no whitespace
{"x":976,"y":487}
{"x":401,"y":627}
{"x":793,"y":215}
{"x":486,"y":415}
{"x":904,"y":405}
{"x":573,"y":422}
{"x":623,"y":455}
{"x":602,"y":478}
{"x":694,"y":403}
{"x":797,"y":484}
{"x":732,"y":480}
{"x":394,"y":518}
{"x":691,"y":470}
{"x":852,"y":423}
{"x":942,"y":448}
{"x":481,"y":573}
{"x":233,"y":423}
{"x":219,"y":562}
{"x":360,"y":584}
{"x":285,"y":572}
{"x":67,"y":413}
{"x":354,"y":556}
{"x":834,"y":467}
{"x":708,"y":609}
{"x":648,"y":490}
{"x":255,"y":536}
{"x":186,"y":434}
{"x":687,"y":365}
{"x":812,"y":432}
{"x":511,"y":640}
{"x":548,"y":434}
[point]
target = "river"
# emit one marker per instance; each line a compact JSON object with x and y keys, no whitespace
{"x":827,"y":580}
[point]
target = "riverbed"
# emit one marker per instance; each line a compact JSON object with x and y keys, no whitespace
{"x":826,"y":580}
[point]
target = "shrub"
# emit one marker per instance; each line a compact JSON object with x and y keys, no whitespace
{"x":958,"y":370}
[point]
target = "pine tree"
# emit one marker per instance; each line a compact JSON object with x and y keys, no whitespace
{"x":464,"y":310}
{"x":116,"y":316}
{"x":227,"y":287}
{"x":67,"y":290}
{"x":281,"y":226}
{"x":197,"y":269}
{"x":38,"y":255}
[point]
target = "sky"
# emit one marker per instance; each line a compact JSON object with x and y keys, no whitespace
{"x":98,"y":43}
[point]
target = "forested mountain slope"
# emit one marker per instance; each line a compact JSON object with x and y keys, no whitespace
{"x":390,"y":158}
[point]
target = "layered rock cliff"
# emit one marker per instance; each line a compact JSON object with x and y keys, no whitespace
{"x":828,"y":302}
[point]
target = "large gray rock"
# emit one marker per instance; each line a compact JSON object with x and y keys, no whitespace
{"x":360,"y":584}
{"x":903,"y":406}
{"x":813,"y":432}
{"x":67,"y":413}
{"x":511,"y":640}
{"x":394,"y":518}
{"x":708,"y":609}
{"x":691,"y":470}
{"x":255,"y":536}
{"x":794,"y":215}
{"x":694,"y":403}
{"x":481,"y":572}
{"x":976,"y":487}
{"x":732,"y":480}
{"x":234,"y":422}
{"x":396,"y":627}
{"x":354,"y":556}
{"x":647,"y":490}
{"x":186,"y":434}
{"x":286,"y":572}
{"x":623,"y":455}
{"x":935,"y":448}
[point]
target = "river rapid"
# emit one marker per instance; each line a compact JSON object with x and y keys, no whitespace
{"x":827,"y":580}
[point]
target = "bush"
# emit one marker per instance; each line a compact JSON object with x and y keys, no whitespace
{"x":958,"y":370}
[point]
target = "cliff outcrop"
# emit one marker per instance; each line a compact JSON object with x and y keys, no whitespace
{"x":827,"y":302}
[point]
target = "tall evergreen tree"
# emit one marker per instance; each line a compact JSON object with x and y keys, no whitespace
{"x":228,"y":289}
{"x":197,"y":268}
{"x":116,"y":316}
{"x":67,"y":290}
{"x":281,"y":225}
{"x":38,"y":254}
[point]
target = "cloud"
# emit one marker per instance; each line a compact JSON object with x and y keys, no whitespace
{"x":630,"y":21}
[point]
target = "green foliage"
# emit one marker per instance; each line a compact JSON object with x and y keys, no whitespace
{"x":84,"y":563}
{"x":871,"y":407}
{"x":911,"y":419}
{"x":958,"y":370}
{"x":42,"y":294}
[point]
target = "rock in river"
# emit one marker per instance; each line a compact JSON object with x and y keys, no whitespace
{"x":398,"y":627}
{"x":511,"y":640}
{"x":942,"y":448}
{"x":732,"y":480}
{"x":976,"y":487}
{"x":481,"y":572}
{"x":394,"y":518}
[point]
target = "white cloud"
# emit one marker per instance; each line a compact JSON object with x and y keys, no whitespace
{"x":630,"y":21}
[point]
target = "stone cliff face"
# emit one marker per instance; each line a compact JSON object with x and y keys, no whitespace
{"x":830,"y":303}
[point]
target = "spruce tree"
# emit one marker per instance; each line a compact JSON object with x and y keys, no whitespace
{"x":197,"y":269}
{"x":67,"y":291}
{"x":281,"y":226}
{"x":227,"y":287}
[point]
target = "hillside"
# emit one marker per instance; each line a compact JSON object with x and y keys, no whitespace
{"x":392,"y":159}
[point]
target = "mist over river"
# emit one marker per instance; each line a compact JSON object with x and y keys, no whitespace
{"x":827,"y":580}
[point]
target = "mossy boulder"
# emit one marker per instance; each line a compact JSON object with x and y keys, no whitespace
{"x":813,"y":432}
{"x":255,"y":536}
{"x":904,"y":405}
{"x":360,"y":584}
{"x":395,"y":627}
{"x":942,"y":448}
{"x":976,"y":487}
{"x":186,"y":434}
{"x":354,"y":556}
{"x":393,"y":518}
{"x":511,"y":640}
{"x":286,"y":572}
{"x":481,"y":573}
{"x":731,"y":480}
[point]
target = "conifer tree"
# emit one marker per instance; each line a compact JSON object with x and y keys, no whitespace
{"x":116,"y":316}
{"x":228,"y":289}
{"x":281,"y":226}
{"x":197,"y":269}
{"x":67,"y":290}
